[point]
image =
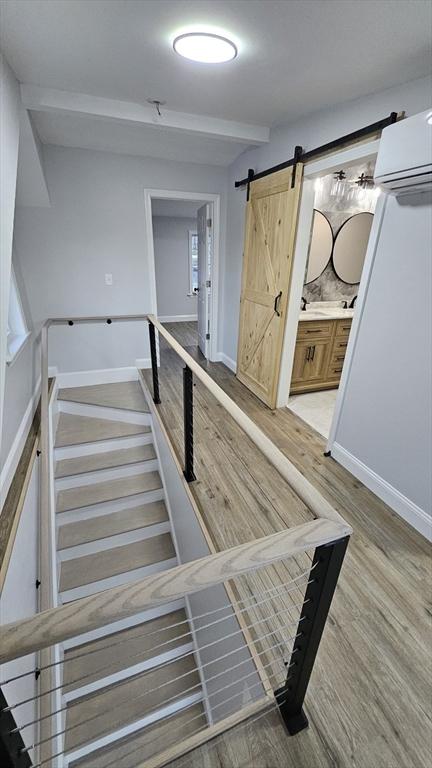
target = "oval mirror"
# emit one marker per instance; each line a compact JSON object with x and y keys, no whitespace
{"x":320,"y":247}
{"x":350,"y":246}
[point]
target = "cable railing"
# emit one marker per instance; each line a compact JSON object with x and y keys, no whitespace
{"x":256,"y":651}
{"x":217,"y":669}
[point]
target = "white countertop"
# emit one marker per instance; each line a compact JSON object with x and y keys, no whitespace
{"x":327,"y":313}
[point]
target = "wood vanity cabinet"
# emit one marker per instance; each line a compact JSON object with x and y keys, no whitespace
{"x":319,"y":354}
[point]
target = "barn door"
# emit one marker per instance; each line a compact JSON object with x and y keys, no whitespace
{"x":271,"y":218}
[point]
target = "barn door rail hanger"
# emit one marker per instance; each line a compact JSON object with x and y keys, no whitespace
{"x":306,"y":157}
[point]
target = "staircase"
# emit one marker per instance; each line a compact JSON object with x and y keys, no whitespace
{"x":113,"y":528}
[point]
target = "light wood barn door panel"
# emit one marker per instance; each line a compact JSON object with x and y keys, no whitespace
{"x":271,"y":219}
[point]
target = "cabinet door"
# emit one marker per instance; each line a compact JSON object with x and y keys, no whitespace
{"x":310,"y":361}
{"x":300,"y":365}
{"x":318,"y":360}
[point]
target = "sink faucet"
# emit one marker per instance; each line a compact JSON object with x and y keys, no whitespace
{"x":303,"y":303}
{"x":353,"y":301}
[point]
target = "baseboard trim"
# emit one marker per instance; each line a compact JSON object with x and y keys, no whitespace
{"x":178,"y":318}
{"x":228,"y":361}
{"x":143,"y":362}
{"x":399,"y":503}
{"x":102,"y":376}
{"x":16,"y":449}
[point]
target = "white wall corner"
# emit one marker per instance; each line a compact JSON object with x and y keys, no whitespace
{"x":52,"y":371}
{"x":221,"y":357}
{"x":404,"y":507}
{"x":143,"y":362}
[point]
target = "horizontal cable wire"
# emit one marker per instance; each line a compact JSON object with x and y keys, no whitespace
{"x":247,"y":722}
{"x":200,"y":715}
{"x":250,"y":659}
{"x":170,"y":661}
{"x":153,"y":690}
{"x":177,"y":624}
{"x":26,"y":749}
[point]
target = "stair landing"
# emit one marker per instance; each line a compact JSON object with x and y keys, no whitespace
{"x":127,"y":395}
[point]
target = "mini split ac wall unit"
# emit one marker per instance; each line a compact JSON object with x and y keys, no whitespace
{"x":404,"y":162}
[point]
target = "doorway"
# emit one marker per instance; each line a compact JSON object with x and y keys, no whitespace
{"x":183,"y":232}
{"x":335,"y":220}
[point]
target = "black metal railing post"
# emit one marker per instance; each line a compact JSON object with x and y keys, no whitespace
{"x":153,"y":354}
{"x":326,"y":567}
{"x":13,"y":753}
{"x":188,"y":423}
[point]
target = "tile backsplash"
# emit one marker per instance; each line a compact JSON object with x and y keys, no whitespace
{"x":328,"y":287}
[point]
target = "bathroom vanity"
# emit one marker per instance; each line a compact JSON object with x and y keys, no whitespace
{"x":322,"y":339}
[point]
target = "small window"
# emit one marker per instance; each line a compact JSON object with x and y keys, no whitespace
{"x":193,"y":262}
{"x":17,"y":331}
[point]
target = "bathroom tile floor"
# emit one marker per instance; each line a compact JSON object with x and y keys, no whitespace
{"x":315,"y":408}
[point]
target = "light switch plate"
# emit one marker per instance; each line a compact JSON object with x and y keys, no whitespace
{"x":108,"y":278}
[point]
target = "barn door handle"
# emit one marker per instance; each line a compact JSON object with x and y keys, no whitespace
{"x":276,"y":303}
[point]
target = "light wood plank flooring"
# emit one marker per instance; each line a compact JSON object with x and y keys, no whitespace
{"x":116,"y":706}
{"x":96,"y":493}
{"x":95,"y":528}
{"x":137,"y":645}
{"x":111,"y":562}
{"x":73,"y":429}
{"x":136,"y":748}
{"x":123,"y":394}
{"x":369,"y":702}
{"x":105,"y":460}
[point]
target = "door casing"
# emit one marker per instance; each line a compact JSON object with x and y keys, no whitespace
{"x":197,"y":197}
{"x":205,"y":249}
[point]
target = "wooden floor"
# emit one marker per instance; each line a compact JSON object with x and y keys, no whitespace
{"x":369,"y":701}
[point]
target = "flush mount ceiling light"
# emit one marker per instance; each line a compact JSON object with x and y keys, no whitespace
{"x":205,"y":47}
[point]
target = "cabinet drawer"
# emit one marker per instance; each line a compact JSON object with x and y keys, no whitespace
{"x":340,"y":345}
{"x":335,"y":370}
{"x":314,"y":328}
{"x":343,"y":327}
{"x":337,"y":359}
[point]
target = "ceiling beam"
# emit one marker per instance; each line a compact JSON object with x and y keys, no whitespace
{"x":66,"y":102}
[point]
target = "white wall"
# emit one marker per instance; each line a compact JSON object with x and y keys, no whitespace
{"x":10,"y":104}
{"x":384,"y":431}
{"x":96,"y":225}
{"x":171,"y":249}
{"x":309,"y":132}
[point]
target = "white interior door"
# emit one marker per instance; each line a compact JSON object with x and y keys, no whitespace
{"x":205,"y":251}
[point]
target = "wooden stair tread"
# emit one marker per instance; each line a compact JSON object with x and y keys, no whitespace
{"x":108,"y":490}
{"x":127,"y":395}
{"x":73,"y":429}
{"x":117,"y":705}
{"x":111,"y":562}
{"x":105,"y":460}
{"x":95,"y":528}
{"x":143,"y":744}
{"x":128,"y":647}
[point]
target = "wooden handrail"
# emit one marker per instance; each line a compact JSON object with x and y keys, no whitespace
{"x":93,"y":319}
{"x":313,"y":499}
{"x":58,"y":624}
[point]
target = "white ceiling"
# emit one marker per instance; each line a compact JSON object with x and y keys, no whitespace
{"x":295,"y":57}
{"x":149,"y":141}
